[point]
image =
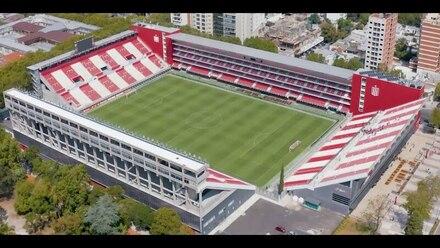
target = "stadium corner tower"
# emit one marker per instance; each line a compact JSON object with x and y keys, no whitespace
{"x":380,"y":113}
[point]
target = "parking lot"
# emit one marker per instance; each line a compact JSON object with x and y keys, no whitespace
{"x":264,"y":216}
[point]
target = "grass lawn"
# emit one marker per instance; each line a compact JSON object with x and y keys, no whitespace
{"x":238,"y":135}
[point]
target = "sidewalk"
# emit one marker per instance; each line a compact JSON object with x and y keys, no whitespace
{"x":237,"y":213}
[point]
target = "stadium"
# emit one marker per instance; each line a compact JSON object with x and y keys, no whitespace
{"x":200,"y":125}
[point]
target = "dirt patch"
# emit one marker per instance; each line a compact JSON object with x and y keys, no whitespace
{"x":14,"y":220}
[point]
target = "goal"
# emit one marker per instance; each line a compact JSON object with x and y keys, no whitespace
{"x":294,"y":145}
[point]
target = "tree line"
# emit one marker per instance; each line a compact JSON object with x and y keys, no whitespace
{"x":63,"y":198}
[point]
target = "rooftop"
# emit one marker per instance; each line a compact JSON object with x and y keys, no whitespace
{"x":267,"y":56}
{"x":393,"y":79}
{"x":140,"y":143}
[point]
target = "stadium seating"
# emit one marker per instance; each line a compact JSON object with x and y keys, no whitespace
{"x":96,"y":75}
{"x":318,"y":92}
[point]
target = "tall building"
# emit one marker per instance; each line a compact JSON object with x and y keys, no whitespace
{"x":180,"y":19}
{"x":241,"y":25}
{"x":381,"y":38}
{"x":202,"y":22}
{"x":429,"y":49}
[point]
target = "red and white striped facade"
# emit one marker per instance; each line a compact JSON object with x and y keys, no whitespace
{"x":353,"y":151}
{"x":94,"y":76}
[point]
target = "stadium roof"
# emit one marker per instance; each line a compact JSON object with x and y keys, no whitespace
{"x":355,"y":150}
{"x":268,"y":56}
{"x":67,"y":55}
{"x":111,"y":132}
{"x":157,"y":27}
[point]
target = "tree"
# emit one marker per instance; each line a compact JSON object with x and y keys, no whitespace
{"x":133,"y":212}
{"x":410,"y":19}
{"x":344,"y":27}
{"x":70,"y":224}
{"x":165,"y":221}
{"x":329,"y":32}
{"x":316,"y":57}
{"x":435,"y":117}
{"x":402,"y":51}
{"x":376,"y":212}
{"x":314,"y":19}
{"x":10,"y":168}
{"x":23,"y":192}
{"x":391,"y":72}
{"x":363,"y":18}
{"x":352,"y":64}
{"x":5,"y":229}
{"x":437,"y":92}
{"x":159,"y":18}
{"x":102,"y":217}
{"x":71,"y":190}
{"x":281,"y":184}
{"x":261,"y":43}
{"x":116,"y":192}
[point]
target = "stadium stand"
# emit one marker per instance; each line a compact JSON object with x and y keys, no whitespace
{"x":92,"y":77}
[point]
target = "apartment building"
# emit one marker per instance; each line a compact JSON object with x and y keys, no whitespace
{"x":381,"y":40}
{"x":429,"y":49}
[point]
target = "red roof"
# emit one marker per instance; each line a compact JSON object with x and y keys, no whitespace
{"x":26,"y":27}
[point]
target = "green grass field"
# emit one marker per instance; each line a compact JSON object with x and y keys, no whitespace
{"x":245,"y":137}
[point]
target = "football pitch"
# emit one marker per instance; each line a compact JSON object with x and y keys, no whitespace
{"x":241,"y":136}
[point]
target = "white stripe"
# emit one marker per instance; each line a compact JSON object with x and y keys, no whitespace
{"x":321,"y":163}
{"x":98,"y":87}
{"x":338,"y":141}
{"x":365,"y":120}
{"x":134,"y":73}
{"x":372,"y":144}
{"x":326,"y":152}
{"x":301,"y":177}
{"x":117,"y":80}
{"x":98,"y":62}
{"x":133,"y":50}
{"x":80,"y":96}
{"x":117,"y":57}
{"x":150,"y":65}
{"x":82,"y":71}
{"x":62,"y":79}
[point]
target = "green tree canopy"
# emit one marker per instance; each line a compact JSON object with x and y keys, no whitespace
{"x":70,"y":224}
{"x":314,"y":19}
{"x":10,"y":163}
{"x":344,"y":27}
{"x":352,"y":64}
{"x":133,"y":212}
{"x":437,"y":92}
{"x":329,"y":32}
{"x":316,"y":57}
{"x":261,"y":43}
{"x":165,"y":221}
{"x":435,"y":117}
{"x":102,"y":217}
{"x":410,"y":19}
{"x":71,"y":190}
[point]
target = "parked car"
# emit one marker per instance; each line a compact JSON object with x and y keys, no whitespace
{"x":280,"y":229}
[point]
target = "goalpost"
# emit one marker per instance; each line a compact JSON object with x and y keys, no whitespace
{"x":294,"y":145}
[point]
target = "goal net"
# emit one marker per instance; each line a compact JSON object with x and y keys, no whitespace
{"x":294,"y":145}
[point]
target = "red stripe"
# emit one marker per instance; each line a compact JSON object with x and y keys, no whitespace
{"x":363,"y":117}
{"x":308,"y":170}
{"x":329,"y":147}
{"x":342,"y":136}
{"x":351,"y":173}
{"x":369,"y":149}
{"x":378,"y":137}
{"x":357,"y":161}
{"x":353,"y":126}
{"x":399,"y":115}
{"x":295,"y":183}
{"x":315,"y":159}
